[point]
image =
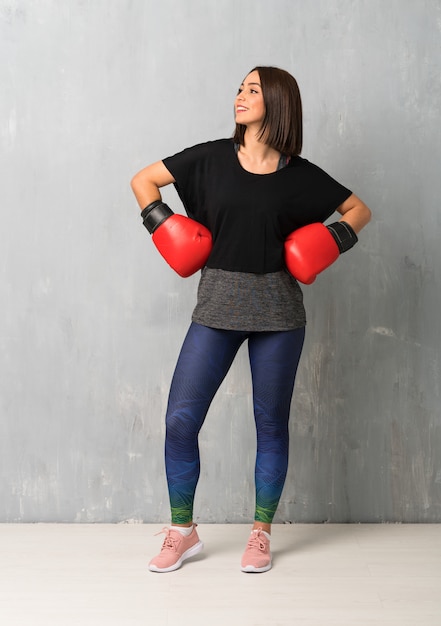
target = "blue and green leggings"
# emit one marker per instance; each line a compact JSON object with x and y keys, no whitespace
{"x":205,"y":358}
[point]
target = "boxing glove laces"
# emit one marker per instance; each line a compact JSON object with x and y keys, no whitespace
{"x":311,"y":249}
{"x":184,"y":243}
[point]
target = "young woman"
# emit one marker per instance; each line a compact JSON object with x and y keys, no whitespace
{"x":251,"y":193}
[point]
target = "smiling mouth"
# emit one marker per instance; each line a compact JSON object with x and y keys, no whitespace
{"x":241,"y":109}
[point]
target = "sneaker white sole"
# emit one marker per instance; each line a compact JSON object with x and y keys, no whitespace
{"x":187,"y":554}
{"x":250,"y":569}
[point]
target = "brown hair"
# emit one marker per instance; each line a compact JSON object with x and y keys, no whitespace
{"x":282,"y":127}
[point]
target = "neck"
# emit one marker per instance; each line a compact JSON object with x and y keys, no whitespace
{"x":256,"y":156}
{"x":256,"y":149}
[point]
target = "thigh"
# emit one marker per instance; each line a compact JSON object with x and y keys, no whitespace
{"x":204,"y":360}
{"x":274,"y":359}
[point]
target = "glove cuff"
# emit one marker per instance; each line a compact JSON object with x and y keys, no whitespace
{"x":344,"y":235}
{"x":155,"y":214}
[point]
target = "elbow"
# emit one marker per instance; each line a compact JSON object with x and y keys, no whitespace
{"x":134,"y":183}
{"x":367,"y":215}
{"x":358,"y":216}
{"x":363,"y":215}
{"x":138,"y":188}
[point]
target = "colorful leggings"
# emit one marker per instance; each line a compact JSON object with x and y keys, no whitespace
{"x":203,"y":363}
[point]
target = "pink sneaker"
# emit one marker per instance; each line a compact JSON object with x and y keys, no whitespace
{"x":257,"y":555}
{"x":175,"y":550}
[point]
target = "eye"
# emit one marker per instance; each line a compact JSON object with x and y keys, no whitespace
{"x":239,"y":90}
{"x":253,"y":91}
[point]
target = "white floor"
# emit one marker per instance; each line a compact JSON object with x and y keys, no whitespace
{"x":323,"y":575}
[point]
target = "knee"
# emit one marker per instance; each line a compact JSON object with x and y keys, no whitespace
{"x":180,"y":427}
{"x":272,"y":436}
{"x":272,"y":425}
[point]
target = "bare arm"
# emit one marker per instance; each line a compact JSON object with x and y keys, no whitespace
{"x":355,"y":212}
{"x":146,"y":183}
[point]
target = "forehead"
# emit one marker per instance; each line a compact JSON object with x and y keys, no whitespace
{"x":252,"y":77}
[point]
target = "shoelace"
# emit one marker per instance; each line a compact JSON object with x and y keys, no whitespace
{"x":255,"y":541}
{"x":169,"y":542}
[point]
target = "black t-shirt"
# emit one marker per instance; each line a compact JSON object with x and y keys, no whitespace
{"x":250,"y":215}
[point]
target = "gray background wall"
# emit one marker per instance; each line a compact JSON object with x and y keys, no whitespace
{"x":91,"y":317}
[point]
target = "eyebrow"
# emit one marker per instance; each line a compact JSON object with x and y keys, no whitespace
{"x":258,"y":84}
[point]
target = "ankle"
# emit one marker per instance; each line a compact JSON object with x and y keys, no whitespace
{"x":265,"y":527}
{"x":184,"y":530}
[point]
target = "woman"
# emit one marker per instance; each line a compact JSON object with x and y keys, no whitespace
{"x":251,"y":192}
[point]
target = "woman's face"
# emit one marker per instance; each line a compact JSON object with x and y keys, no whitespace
{"x":249,"y":105}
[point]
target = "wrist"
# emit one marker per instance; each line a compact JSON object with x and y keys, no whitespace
{"x":344,"y":235}
{"x":155,"y":214}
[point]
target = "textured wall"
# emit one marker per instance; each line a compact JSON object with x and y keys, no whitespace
{"x":91,"y":318}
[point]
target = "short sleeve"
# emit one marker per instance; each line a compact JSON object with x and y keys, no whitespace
{"x":327,"y":193}
{"x":188,"y":168}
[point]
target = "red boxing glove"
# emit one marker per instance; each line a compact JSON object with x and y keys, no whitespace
{"x":311,"y":249}
{"x":184,"y":243}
